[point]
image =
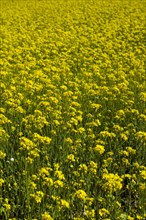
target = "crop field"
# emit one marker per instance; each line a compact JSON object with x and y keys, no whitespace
{"x":73,"y":110}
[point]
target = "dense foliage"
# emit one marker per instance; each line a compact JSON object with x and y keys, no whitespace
{"x":73,"y":110}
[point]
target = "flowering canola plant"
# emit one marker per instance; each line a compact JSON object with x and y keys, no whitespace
{"x":73,"y":110}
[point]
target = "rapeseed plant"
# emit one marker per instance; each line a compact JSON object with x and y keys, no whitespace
{"x":113,"y":182}
{"x":100,"y":149}
{"x":46,"y":216}
{"x":72,"y":112}
{"x":80,"y":194}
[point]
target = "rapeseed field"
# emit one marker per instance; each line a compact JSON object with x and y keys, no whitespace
{"x":73,"y":110}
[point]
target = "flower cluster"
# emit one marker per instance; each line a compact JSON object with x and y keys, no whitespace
{"x":72,"y":110}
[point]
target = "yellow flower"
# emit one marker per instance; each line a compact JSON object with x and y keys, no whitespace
{"x":130,"y":218}
{"x":124,"y":152}
{"x":83,"y":168}
{"x":44,"y":171}
{"x":80,"y":194}
{"x":64,"y":203}
{"x":123,"y":136}
{"x":48,"y":181}
{"x":126,"y":176}
{"x":142,"y":186}
{"x":34,"y":177}
{"x":95,"y":106}
{"x":107,"y":134}
{"x":118,"y":204}
{"x":74,"y":121}
{"x":99,"y":148}
{"x":139,"y":217}
{"x":107,"y":162}
{"x":46,"y":216}
{"x":33,"y":185}
{"x":143,"y":174}
{"x":120,"y":114}
{"x":113,"y":182}
{"x":125,"y":161}
{"x":56,"y":198}
{"x":29,"y":160}
{"x":103,"y":212}
{"x":4,"y":119}
{"x":90,"y":201}
{"x":1,"y":182}
{"x":136,"y":165}
{"x":59,"y":175}
{"x":38,"y":196}
{"x":56,"y":122}
{"x":130,"y":150}
{"x":20,"y":110}
{"x":92,"y":167}
{"x":90,"y":213}
{"x":63,"y":87}
{"x":27,"y":144}
{"x":70,"y":158}
{"x":41,"y":139}
{"x":68,"y":140}
{"x":58,"y":183}
{"x":34,"y":153}
{"x":7,"y":205}
{"x":141,"y":136}
{"x":3,"y":135}
{"x":2,"y":155}
{"x":117,"y":128}
{"x":81,"y":130}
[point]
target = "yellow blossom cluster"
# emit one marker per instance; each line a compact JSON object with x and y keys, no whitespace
{"x":72,"y":110}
